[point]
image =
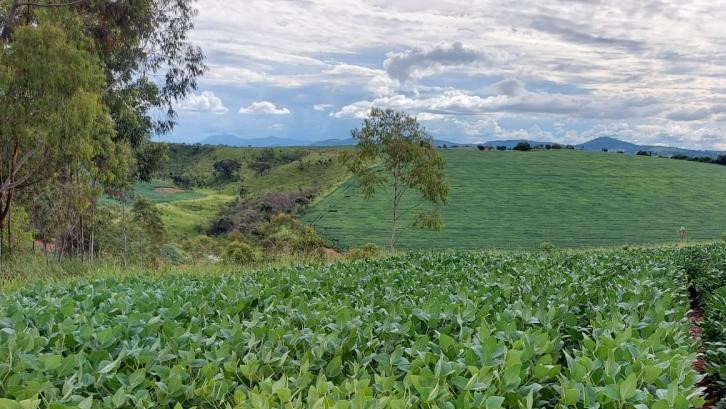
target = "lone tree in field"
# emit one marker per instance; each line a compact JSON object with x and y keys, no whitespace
{"x":393,"y":149}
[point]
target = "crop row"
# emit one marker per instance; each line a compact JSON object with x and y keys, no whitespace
{"x":706,"y":270}
{"x":442,"y":330}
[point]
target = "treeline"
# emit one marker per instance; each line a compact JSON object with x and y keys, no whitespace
{"x":524,"y":146}
{"x":81,"y":87}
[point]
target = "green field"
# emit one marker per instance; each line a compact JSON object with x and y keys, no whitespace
{"x":572,"y":329}
{"x":521,"y":199}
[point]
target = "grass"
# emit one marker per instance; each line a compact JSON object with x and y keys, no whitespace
{"x":151,"y":191}
{"x":188,"y":213}
{"x":515,"y":200}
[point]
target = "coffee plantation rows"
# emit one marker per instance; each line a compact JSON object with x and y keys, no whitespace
{"x":442,"y":330}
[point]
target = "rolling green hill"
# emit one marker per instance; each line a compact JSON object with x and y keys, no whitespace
{"x":187,"y":211}
{"x":521,"y":199}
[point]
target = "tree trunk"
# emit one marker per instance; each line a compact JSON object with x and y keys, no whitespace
{"x":123,"y":222}
{"x":10,"y":232}
{"x":8,"y":21}
{"x":394,"y":213}
{"x":93,"y":231}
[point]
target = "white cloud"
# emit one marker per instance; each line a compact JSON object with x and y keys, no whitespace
{"x":458,"y":102}
{"x":322,"y":107}
{"x":264,"y":107}
{"x":205,"y":102}
{"x":652,"y":63}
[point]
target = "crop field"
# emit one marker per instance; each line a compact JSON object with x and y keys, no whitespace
{"x":521,"y":199}
{"x":579,"y":329}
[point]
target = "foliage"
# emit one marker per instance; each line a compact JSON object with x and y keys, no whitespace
{"x":226,"y":169}
{"x":53,"y":121}
{"x":21,"y":234}
{"x":522,"y":146}
{"x":367,"y":251}
{"x":285,"y":234}
{"x":246,"y":215}
{"x":579,"y":330}
{"x":148,"y":217}
{"x":643,"y":153}
{"x":409,"y":161}
{"x":173,"y":254}
{"x":240,"y":252}
{"x":705,"y":267}
{"x":548,"y":247}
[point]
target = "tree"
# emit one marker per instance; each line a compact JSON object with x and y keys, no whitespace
{"x":148,"y":217}
{"x":394,"y":149}
{"x":226,"y":169}
{"x":522,"y":146}
{"x":53,"y":121}
{"x":260,"y":167}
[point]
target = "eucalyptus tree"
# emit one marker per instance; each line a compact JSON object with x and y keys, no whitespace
{"x":394,"y":150}
{"x":83,"y":104}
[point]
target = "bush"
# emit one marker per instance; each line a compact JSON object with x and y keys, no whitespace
{"x":365,"y":252}
{"x":286,"y":234}
{"x":643,"y":153}
{"x":173,"y":255}
{"x":556,"y":146}
{"x":241,"y":252}
{"x":523,"y":146}
{"x":501,"y":148}
{"x":548,"y":247}
{"x":604,"y":149}
{"x":481,"y":147}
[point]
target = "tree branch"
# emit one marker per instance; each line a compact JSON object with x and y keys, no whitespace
{"x":30,"y":3}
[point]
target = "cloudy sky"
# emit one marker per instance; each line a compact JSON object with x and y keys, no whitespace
{"x":646,"y":71}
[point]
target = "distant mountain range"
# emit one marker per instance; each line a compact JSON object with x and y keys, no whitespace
{"x":597,"y":144}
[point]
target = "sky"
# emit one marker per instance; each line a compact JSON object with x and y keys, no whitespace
{"x":645,"y":71}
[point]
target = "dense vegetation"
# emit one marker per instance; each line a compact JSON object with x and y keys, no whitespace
{"x":521,"y":199}
{"x":571,"y":329}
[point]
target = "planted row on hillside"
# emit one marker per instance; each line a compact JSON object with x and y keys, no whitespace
{"x":445,"y":330}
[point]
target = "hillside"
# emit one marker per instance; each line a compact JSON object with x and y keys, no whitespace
{"x":521,"y":199}
{"x":196,"y":195}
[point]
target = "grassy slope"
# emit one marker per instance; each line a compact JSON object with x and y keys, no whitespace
{"x":520,"y":199}
{"x":189,"y":213}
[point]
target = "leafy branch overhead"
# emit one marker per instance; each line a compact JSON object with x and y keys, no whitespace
{"x":395,"y":151}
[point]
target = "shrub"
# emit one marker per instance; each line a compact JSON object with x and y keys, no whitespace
{"x":241,"y":252}
{"x":643,"y":153}
{"x":523,"y":146}
{"x":556,"y":146}
{"x":284,"y":233}
{"x":365,"y":252}
{"x":173,"y":254}
{"x":481,"y":147}
{"x":548,"y":247}
{"x":226,"y":169}
{"x":604,"y":149}
{"x":501,"y":148}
